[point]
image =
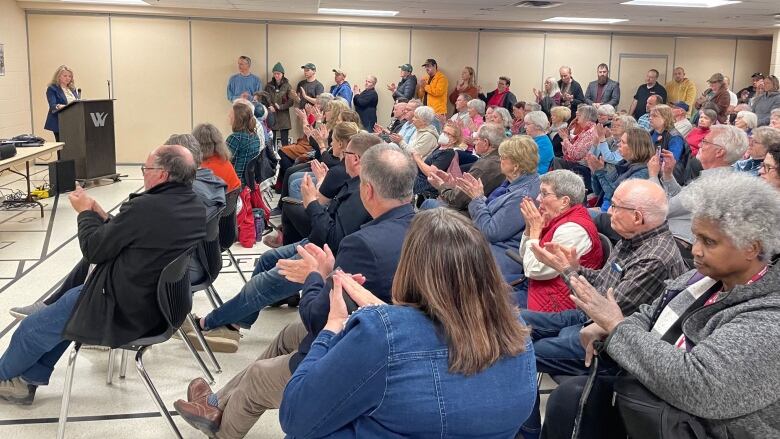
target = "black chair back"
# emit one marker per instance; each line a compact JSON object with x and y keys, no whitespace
{"x":606,"y":248}
{"x":209,"y":251}
{"x":250,"y":173}
{"x":228,"y":228}
{"x":174,"y":297}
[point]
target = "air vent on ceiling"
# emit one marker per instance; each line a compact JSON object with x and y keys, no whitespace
{"x":538,"y":4}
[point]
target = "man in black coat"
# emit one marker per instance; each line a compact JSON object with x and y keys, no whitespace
{"x":371,"y":254}
{"x":407,"y":86}
{"x":118,"y":302}
{"x":365,"y":102}
{"x":571,"y":91}
{"x":501,"y":96}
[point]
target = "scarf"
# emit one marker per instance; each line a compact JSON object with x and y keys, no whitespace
{"x":497,"y":100}
{"x":497,"y":192}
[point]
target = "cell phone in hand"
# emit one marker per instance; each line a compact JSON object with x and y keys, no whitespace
{"x":658,"y":154}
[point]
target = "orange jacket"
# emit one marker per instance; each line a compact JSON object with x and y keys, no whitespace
{"x":436,"y":89}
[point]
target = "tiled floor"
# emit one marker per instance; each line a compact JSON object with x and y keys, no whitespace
{"x":35,"y":254}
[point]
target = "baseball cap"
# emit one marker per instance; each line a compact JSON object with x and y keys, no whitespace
{"x":430,"y":62}
{"x":340,"y":72}
{"x":681,"y":105}
{"x":406,"y":68}
{"x":309,"y":66}
{"x":716,"y":77}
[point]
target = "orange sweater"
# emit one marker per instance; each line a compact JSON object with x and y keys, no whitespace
{"x":224,"y":170}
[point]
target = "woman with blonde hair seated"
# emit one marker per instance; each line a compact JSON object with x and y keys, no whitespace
{"x":448,"y":358}
{"x":496,"y":215}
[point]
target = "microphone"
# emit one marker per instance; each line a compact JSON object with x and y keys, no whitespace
{"x":78,"y":90}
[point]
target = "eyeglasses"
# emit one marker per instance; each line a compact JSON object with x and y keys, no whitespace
{"x":352,"y":153}
{"x":634,"y":209}
{"x":543,"y":195}
{"x":712,"y":143}
{"x":145,"y":168}
{"x":767,"y":168}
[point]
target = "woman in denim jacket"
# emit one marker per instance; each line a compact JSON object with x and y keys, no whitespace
{"x":449,"y":359}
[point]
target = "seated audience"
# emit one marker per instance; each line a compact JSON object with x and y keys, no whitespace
{"x":700,"y":357}
{"x":561,"y":219}
{"x":500,"y":116}
{"x":476,"y":112}
{"x":636,"y":150}
{"x":763,"y":138}
{"x":216,"y":155}
{"x":425,"y":137}
{"x":767,"y":100}
{"x":644,"y":120}
{"x":501,"y":96}
{"x":746,"y":121}
{"x":496,"y":215}
{"x":775,"y":119}
{"x":243,"y":142}
{"x":118,"y":302}
{"x":576,"y":147}
{"x":609,"y":140}
{"x":441,"y":158}
{"x":518,"y":116}
{"x":451,"y":322}
{"x":769,"y":169}
{"x":707,"y":118}
{"x":408,"y":129}
{"x":386,"y":179}
{"x":487,"y":169}
{"x":605,"y":113}
{"x":344,"y":215}
{"x":461,"y":109}
{"x":681,"y":122}
{"x":559,"y":120}
{"x":536,"y":126}
{"x":663,"y":132}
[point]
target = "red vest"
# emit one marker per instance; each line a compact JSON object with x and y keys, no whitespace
{"x":552,"y":295}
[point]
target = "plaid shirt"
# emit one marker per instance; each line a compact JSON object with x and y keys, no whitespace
{"x":637,"y":268}
{"x":244,"y":147}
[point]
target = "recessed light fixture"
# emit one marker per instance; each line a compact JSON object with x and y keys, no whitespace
{"x":583,"y":20}
{"x":360,"y":12}
{"x":682,"y":3}
{"x":110,"y":2}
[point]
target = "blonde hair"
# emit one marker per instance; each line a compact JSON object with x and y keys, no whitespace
{"x":458,"y":133}
{"x":522,"y":151}
{"x":336,"y":107}
{"x":56,"y":79}
{"x":562,"y":113}
{"x":459,"y":287}
{"x":343,"y":131}
{"x":472,"y":76}
{"x":666,"y":114}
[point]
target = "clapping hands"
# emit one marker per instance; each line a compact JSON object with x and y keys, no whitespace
{"x":470,"y":186}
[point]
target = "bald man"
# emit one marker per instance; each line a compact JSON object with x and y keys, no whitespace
{"x":118,"y":302}
{"x":642,"y":260}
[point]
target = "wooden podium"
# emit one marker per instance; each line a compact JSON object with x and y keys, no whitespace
{"x":87,"y":128}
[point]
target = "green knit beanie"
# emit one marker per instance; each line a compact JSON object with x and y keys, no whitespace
{"x":278,"y":68}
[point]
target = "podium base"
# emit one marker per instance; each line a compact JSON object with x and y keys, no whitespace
{"x":84,"y":181}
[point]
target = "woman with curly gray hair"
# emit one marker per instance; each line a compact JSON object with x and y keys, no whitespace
{"x":705,"y":352}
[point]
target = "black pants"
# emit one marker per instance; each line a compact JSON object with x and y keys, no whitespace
{"x":76,"y":277}
{"x":295,"y":223}
{"x":600,"y":420}
{"x":283,"y":135}
{"x":57,"y":139}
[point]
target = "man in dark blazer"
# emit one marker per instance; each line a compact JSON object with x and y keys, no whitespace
{"x":118,"y":302}
{"x":370,"y":254}
{"x":503,"y":97}
{"x":571,"y":91}
{"x":603,"y":90}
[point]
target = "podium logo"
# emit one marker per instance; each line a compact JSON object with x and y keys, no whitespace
{"x":99,"y":119}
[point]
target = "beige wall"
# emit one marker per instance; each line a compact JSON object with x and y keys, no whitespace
{"x":15,"y":85}
{"x":160,"y":90}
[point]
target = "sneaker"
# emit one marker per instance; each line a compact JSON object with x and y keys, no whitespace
{"x":220,"y":339}
{"x":273,"y":241}
{"x":16,"y":391}
{"x":200,"y":415}
{"x":21,"y":312}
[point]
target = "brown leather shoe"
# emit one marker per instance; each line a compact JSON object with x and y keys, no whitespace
{"x":200,"y":415}
{"x":198,"y":390}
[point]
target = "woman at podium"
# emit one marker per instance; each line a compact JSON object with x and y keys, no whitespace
{"x":61,"y":92}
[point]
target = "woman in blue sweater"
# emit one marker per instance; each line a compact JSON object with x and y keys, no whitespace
{"x":449,"y":359}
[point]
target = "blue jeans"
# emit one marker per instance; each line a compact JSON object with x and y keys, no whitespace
{"x":37,"y":343}
{"x":556,"y":337}
{"x":521,"y":294}
{"x":431,"y":203}
{"x":265,"y":287}
{"x":295,"y":182}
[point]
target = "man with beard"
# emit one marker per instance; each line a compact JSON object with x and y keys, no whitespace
{"x":603,"y":90}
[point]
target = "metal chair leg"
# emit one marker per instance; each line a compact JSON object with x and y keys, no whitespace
{"x":139,"y":365}
{"x":235,"y":264}
{"x":65,"y":405}
{"x":211,"y":298}
{"x":111,"y":361}
{"x":539,"y":376}
{"x":213,"y":295}
{"x":202,"y":341}
{"x":123,"y":365}
{"x":194,"y":353}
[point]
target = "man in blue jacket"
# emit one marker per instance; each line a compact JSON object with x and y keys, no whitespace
{"x":341,"y":89}
{"x":370,"y":254}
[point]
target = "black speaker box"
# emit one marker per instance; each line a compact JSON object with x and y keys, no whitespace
{"x":7,"y":150}
{"x":62,"y":176}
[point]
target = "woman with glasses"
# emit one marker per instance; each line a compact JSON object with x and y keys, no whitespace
{"x":560,"y":218}
{"x":763,"y":138}
{"x":769,"y":169}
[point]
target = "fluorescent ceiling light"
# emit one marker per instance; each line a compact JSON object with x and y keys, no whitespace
{"x":361,"y":12}
{"x":583,"y":20}
{"x":110,"y":2}
{"x":682,"y":3}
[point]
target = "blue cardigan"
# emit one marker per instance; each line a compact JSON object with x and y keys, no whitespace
{"x":55,"y":96}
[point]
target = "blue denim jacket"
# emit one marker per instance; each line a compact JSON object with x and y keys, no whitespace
{"x":502,"y":223}
{"x":386,"y":376}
